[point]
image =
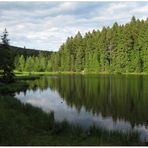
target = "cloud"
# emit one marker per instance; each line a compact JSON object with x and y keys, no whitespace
{"x":46,"y":25}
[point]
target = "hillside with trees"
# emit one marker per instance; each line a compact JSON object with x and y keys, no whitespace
{"x":120,"y":48}
{"x":28,"y":59}
{"x":17,"y":51}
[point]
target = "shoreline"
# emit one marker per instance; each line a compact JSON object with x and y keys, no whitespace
{"x":19,"y":74}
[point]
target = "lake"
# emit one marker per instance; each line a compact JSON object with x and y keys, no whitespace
{"x":112,"y":102}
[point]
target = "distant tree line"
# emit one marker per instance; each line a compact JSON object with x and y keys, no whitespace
{"x":120,"y":48}
{"x":28,"y":52}
{"x":38,"y":63}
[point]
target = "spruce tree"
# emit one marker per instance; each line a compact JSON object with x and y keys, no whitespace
{"x":6,"y":59}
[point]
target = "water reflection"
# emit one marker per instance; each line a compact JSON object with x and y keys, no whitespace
{"x":111,"y":102}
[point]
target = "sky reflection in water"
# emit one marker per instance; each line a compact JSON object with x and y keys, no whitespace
{"x":49,"y":99}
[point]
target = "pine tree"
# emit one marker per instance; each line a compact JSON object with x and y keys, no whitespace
{"x":6,"y":59}
{"x":29,"y":64}
{"x":21,"y":63}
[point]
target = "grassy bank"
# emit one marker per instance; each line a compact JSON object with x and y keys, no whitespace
{"x":21,"y":74}
{"x":31,"y":74}
{"x":22,"y":124}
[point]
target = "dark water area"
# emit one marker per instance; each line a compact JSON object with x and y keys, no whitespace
{"x":112,"y":102}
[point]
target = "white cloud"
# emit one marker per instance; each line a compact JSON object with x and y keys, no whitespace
{"x":143,"y":9}
{"x":116,"y":6}
{"x":47,"y":25}
{"x":66,"y":6}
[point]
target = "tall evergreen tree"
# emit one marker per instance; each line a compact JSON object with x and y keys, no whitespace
{"x":6,"y":59}
{"x":21,"y":63}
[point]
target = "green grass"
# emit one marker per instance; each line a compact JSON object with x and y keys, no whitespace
{"x":20,"y":74}
{"x":23,"y":124}
{"x":31,"y":74}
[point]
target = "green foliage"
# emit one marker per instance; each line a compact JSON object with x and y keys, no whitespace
{"x":6,"y":59}
{"x":119,"y":49}
{"x":29,"y":64}
{"x":21,"y":63}
{"x":38,"y":63}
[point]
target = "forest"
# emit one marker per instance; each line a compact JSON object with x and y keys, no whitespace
{"x":39,"y":63}
{"x":120,"y":48}
{"x":116,"y":49}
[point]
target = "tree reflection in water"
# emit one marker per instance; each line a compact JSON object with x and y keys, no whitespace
{"x":111,"y":98}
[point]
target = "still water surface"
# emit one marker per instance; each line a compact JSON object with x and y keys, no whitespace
{"x":113,"y":102}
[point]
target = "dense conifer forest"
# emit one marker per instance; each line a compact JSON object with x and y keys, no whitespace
{"x":120,"y":48}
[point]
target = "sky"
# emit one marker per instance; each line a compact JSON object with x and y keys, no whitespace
{"x":46,"y":25}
